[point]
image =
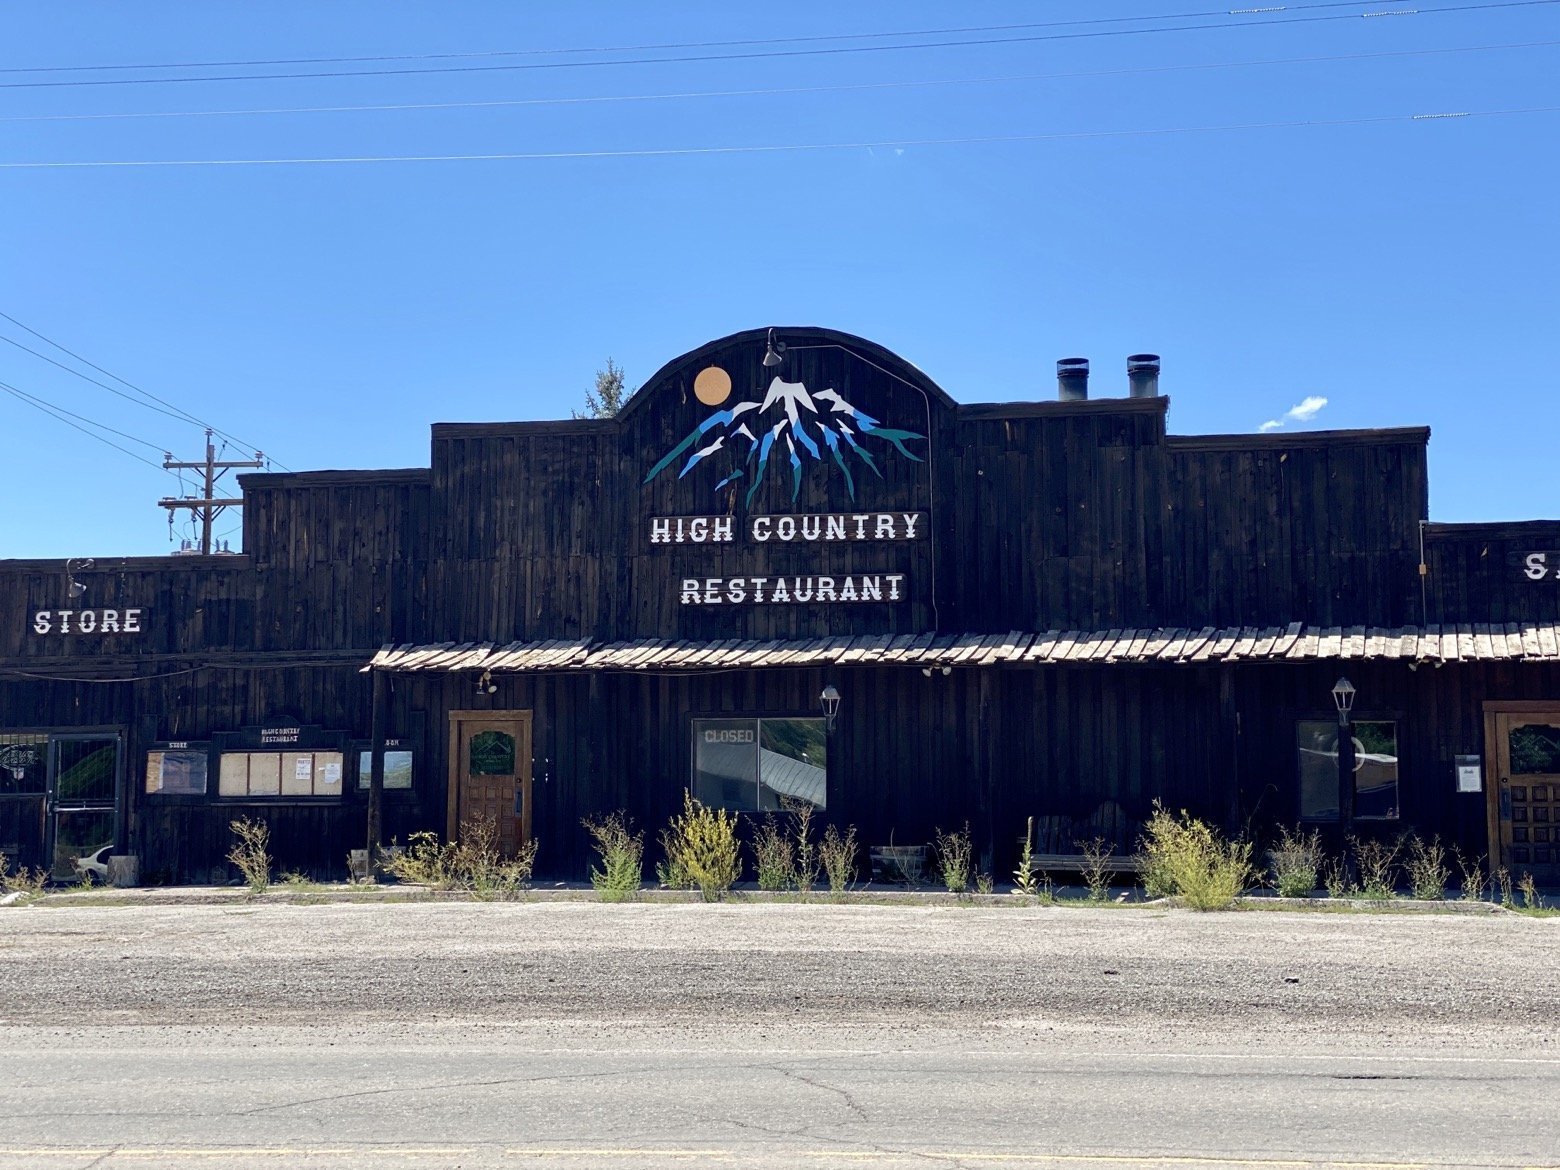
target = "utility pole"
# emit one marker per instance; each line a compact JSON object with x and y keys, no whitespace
{"x":207,"y":507}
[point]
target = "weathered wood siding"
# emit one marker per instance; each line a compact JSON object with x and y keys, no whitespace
{"x":1475,"y":572}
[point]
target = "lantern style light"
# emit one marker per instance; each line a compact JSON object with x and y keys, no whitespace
{"x":829,"y":700}
{"x":1343,"y":699}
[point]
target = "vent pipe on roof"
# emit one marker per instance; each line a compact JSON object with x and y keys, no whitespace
{"x":1143,"y":375}
{"x":1072,"y":379}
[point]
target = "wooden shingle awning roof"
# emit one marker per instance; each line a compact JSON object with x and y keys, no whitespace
{"x":1297,"y":642}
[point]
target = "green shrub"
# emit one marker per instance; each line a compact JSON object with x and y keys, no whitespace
{"x":701,"y":844}
{"x":1024,"y":877}
{"x":1297,"y":862}
{"x":954,"y":851}
{"x":1529,"y":888}
{"x":773,"y":855}
{"x":1502,"y":881}
{"x":27,"y":882}
{"x":1471,"y":876}
{"x":250,"y":853}
{"x":1377,"y":862}
{"x":471,"y":862}
{"x":482,"y":867}
{"x":805,"y":868}
{"x":1096,"y":869}
{"x":622,"y":856}
{"x":1192,"y":862}
{"x":838,"y":855}
{"x":1335,"y":879}
{"x":425,"y":862}
{"x":1427,"y":871}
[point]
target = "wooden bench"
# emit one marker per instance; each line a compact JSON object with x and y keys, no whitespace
{"x":1077,"y":862}
{"x":1058,"y":840}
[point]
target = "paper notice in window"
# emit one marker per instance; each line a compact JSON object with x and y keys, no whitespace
{"x":303,"y":768}
{"x":330,"y":773}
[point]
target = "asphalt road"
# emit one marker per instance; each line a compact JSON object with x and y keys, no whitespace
{"x":578,"y":1035}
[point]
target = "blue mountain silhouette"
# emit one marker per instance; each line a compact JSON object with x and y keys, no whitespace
{"x":790,"y":425}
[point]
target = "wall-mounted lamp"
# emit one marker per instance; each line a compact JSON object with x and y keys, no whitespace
{"x":71,"y":568}
{"x":829,"y":700}
{"x":486,"y":685}
{"x":943,"y":670}
{"x":772,"y":351}
{"x":1343,"y":699}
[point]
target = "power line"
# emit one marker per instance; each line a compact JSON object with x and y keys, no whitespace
{"x":20,"y":396}
{"x":668,"y":45}
{"x":172,"y":411}
{"x":785,"y":90}
{"x":888,"y":143}
{"x":46,"y":404}
{"x":77,"y":373}
{"x":1488,"y":5}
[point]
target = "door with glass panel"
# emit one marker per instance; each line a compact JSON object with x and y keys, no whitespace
{"x":490,"y":775}
{"x":24,"y":789}
{"x":1524,"y":797}
{"x":83,"y":804}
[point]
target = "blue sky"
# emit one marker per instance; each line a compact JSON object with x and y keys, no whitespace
{"x":1403,"y":269}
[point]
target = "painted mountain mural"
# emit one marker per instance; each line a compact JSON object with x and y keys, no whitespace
{"x":789,"y":427}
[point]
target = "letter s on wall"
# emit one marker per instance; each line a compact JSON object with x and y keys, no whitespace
{"x":1536,"y":570}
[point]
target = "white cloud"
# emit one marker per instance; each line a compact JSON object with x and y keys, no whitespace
{"x":1303,"y":411}
{"x":1308,"y":409}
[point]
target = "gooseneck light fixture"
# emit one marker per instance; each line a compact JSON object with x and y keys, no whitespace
{"x":772,"y":351}
{"x":829,"y":700}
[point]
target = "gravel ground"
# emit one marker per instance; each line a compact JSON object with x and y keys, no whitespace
{"x":1162,"y":977}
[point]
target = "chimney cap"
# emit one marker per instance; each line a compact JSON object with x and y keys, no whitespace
{"x":1146,"y":361}
{"x":1073,"y":365}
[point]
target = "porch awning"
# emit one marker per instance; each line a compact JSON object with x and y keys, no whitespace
{"x":1297,"y":642}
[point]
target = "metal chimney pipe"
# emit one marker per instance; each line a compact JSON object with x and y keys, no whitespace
{"x":1072,"y":379}
{"x":1143,"y":375}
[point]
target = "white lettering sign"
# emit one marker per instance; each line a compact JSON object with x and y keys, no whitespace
{"x":691,"y":529}
{"x":1535,"y":566}
{"x":812,"y":528}
{"x":792,"y":590}
{"x":87,"y":621}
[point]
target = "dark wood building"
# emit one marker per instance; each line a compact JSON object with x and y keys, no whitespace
{"x":1050,"y":609}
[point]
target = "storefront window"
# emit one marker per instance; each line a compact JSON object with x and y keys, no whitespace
{"x":1375,"y":770}
{"x":753,"y":765}
{"x":23,"y":763}
{"x":398,"y":769}
{"x":268,"y":774}
{"x":176,"y":773}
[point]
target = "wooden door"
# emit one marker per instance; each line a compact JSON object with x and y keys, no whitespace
{"x":1524,"y":789}
{"x":490,"y":774}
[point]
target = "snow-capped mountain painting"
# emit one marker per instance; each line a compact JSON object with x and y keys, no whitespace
{"x":791,"y":425}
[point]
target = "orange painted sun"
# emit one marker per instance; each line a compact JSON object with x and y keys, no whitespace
{"x":712,"y":386}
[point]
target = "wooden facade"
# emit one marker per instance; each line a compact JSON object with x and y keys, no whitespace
{"x":1050,"y":609}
